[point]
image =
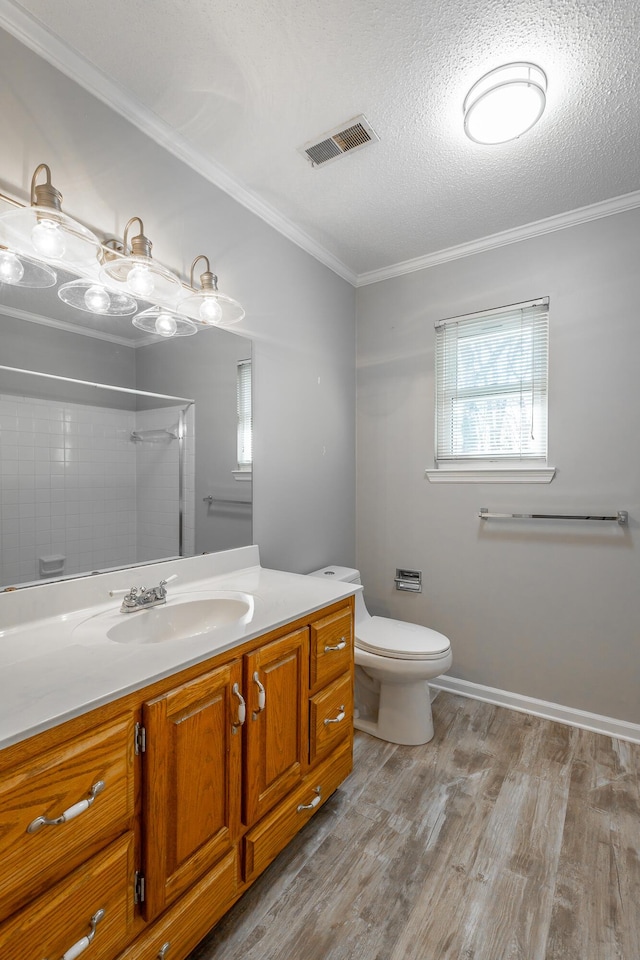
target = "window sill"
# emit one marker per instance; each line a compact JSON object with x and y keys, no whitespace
{"x":491,"y":475}
{"x":242,"y":474}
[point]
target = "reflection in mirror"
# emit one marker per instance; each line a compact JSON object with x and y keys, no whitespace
{"x":148,"y":457}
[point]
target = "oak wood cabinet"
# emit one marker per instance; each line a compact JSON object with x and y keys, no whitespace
{"x":277,"y":683}
{"x":191,"y":795}
{"x":33,"y":854}
{"x":125,"y":834}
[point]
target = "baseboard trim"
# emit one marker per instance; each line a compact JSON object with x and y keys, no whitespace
{"x":620,"y":729}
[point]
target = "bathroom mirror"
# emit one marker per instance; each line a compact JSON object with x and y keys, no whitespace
{"x":137,"y":462}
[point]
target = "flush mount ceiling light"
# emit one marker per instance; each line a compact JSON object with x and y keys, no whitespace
{"x":42,"y":231}
{"x":505,"y":103}
{"x":21,"y":271}
{"x":138,"y":273}
{"x":164,"y":323}
{"x":208,"y":306}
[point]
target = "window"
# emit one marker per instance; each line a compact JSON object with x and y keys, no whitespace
{"x":245,"y":424}
{"x":491,"y":388}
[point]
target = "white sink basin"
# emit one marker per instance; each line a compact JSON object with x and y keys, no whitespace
{"x":180,"y":618}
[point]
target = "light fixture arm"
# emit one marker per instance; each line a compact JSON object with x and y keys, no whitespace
{"x":208,"y":280}
{"x":140,"y":245}
{"x":45,"y":194}
{"x":111,"y":249}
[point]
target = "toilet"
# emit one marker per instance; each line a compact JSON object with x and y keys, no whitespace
{"x":394,"y":662}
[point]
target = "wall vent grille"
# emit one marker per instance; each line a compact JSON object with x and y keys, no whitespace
{"x":352,"y":135}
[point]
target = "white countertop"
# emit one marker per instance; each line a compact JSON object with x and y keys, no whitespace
{"x":50,"y":671}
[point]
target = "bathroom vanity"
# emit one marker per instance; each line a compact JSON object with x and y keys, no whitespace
{"x":138,"y":802}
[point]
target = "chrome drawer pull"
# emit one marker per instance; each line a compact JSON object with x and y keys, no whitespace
{"x":262,"y":697}
{"x":242,"y":713}
{"x":164,"y":950}
{"x":79,"y":947}
{"x":337,"y":719}
{"x":314,"y":802}
{"x":339,"y":646}
{"x":69,"y":814}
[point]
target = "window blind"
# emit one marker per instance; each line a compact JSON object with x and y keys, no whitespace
{"x":245,"y":423}
{"x":491,"y":384}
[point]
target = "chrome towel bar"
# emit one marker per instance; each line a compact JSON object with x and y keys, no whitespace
{"x":621,"y":517}
{"x":211,"y":500}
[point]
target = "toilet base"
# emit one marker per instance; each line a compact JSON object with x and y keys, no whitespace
{"x":404,"y":714}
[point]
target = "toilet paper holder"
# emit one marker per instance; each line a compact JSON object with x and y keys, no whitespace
{"x":408,"y":580}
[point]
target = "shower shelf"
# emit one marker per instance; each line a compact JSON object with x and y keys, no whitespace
{"x":154,"y":436}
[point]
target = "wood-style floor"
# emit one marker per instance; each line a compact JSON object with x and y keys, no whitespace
{"x":505,"y":838}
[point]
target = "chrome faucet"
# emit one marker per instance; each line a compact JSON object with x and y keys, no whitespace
{"x":141,"y":598}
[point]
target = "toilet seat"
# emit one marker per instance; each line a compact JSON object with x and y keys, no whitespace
{"x":400,"y":640}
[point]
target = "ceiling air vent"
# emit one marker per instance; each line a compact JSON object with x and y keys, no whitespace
{"x":352,"y":135}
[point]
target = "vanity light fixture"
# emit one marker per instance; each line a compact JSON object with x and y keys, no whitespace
{"x":112,"y":276}
{"x":164,"y":322}
{"x":20,"y":270}
{"x":208,"y":306}
{"x":42,"y":231}
{"x":93,"y":297}
{"x":138,"y":273}
{"x":505,"y":103}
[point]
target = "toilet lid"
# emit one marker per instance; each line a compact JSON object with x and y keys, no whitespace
{"x":404,"y":641}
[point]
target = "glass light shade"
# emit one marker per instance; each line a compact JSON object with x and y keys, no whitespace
{"x":95,"y":298}
{"x":142,"y":277}
{"x":505,"y":103}
{"x":211,"y":309}
{"x":11,"y":268}
{"x":164,"y":323}
{"x":18,"y":270}
{"x":48,"y":234}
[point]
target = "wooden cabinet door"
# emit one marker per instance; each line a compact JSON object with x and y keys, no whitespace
{"x":276,"y":685}
{"x":191,"y":782}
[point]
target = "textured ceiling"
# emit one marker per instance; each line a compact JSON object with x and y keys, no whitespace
{"x":246,"y":83}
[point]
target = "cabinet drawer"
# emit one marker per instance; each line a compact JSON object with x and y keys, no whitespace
{"x":331,"y":716}
{"x":61,"y":918}
{"x":265,"y":841}
{"x":331,"y":648}
{"x":47,"y":788}
{"x":184,"y":925}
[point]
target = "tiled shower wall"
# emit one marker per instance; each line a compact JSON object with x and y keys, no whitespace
{"x":69,"y":487}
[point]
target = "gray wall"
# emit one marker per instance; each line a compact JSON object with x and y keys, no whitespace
{"x":300,"y":315}
{"x":548,"y":611}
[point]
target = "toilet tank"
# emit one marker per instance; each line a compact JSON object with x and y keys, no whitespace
{"x":346,"y":574}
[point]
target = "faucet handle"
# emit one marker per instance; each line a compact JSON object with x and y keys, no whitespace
{"x":131,"y":591}
{"x":160,"y":590}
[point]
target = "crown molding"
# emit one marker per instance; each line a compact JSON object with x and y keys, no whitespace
{"x":595,"y":211}
{"x":34,"y":35}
